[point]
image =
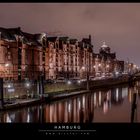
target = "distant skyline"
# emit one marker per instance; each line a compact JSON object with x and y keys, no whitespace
{"x":118,"y":24}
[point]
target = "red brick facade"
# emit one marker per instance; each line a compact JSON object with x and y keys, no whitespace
{"x":24,"y":55}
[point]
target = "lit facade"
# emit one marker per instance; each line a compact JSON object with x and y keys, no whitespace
{"x":25,"y":55}
{"x":66,"y":57}
{"x":106,"y":63}
{"x":21,"y":55}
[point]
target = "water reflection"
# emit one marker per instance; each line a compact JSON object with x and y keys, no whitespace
{"x":118,"y":104}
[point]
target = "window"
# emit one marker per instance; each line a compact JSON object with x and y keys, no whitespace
{"x":9,"y":56}
{"x":56,"y":54}
{"x":26,"y":56}
{"x":43,"y":59}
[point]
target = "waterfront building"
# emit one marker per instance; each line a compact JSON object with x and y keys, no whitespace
{"x":67,"y":58}
{"x":21,"y":54}
{"x":106,"y":62}
{"x":86,"y":60}
{"x":27,"y":56}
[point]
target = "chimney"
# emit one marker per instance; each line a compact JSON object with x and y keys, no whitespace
{"x":18,"y":28}
{"x":90,"y":39}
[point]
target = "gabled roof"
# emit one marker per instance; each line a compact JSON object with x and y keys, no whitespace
{"x":86,"y":40}
{"x":9,"y":34}
{"x":31,"y":39}
{"x":38,"y":36}
{"x":63,"y":38}
{"x":52,"y":39}
{"x":73,"y":41}
{"x":6,"y":34}
{"x":15,"y":31}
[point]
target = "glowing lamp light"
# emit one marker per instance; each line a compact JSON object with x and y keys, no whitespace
{"x":83,"y":68}
{"x":117,"y":73}
{"x":27,"y":84}
{"x":99,"y":65}
{"x":9,"y":86}
{"x":79,"y":81}
{"x":107,"y":66}
{"x":94,"y":66}
{"x":7,"y":65}
{"x":69,"y":82}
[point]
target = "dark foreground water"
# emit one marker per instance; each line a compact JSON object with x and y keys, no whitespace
{"x":107,"y":105}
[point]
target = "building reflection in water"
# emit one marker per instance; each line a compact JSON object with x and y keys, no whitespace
{"x":75,"y":109}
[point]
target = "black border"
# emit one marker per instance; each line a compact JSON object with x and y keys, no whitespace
{"x":103,"y":130}
{"x":69,"y":1}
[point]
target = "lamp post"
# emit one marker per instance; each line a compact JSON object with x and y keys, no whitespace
{"x":10,"y":89}
{"x":87,"y":80}
{"x":8,"y":66}
{"x":27,"y":86}
{"x":94,"y":69}
{"x":69,"y":83}
{"x":87,"y":76}
{"x":99,"y":69}
{"x":107,"y":70}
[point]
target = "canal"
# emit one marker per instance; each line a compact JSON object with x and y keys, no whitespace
{"x":116,"y":104}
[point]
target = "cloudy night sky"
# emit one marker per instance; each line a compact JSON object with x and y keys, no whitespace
{"x":118,"y":24}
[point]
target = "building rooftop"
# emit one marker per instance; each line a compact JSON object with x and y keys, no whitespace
{"x":86,"y":40}
{"x":104,"y":45}
{"x":73,"y":41}
{"x":6,"y":35}
{"x":52,"y":39}
{"x":31,"y":39}
{"x":63,"y":38}
{"x":9,"y":34}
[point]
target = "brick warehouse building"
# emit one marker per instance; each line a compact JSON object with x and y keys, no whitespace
{"x":21,"y":54}
{"x":105,"y":61}
{"x":66,"y":57}
{"x":25,"y":55}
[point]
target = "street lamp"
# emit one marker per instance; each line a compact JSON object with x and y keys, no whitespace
{"x":94,"y":68}
{"x":83,"y":68}
{"x":87,"y":75}
{"x":99,"y":65}
{"x":99,"y":69}
{"x":107,"y":66}
{"x":7,"y":65}
{"x":10,"y":89}
{"x":27,"y":85}
{"x":107,"y":70}
{"x":79,"y":81}
{"x":87,"y":79}
{"x":69,"y":82}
